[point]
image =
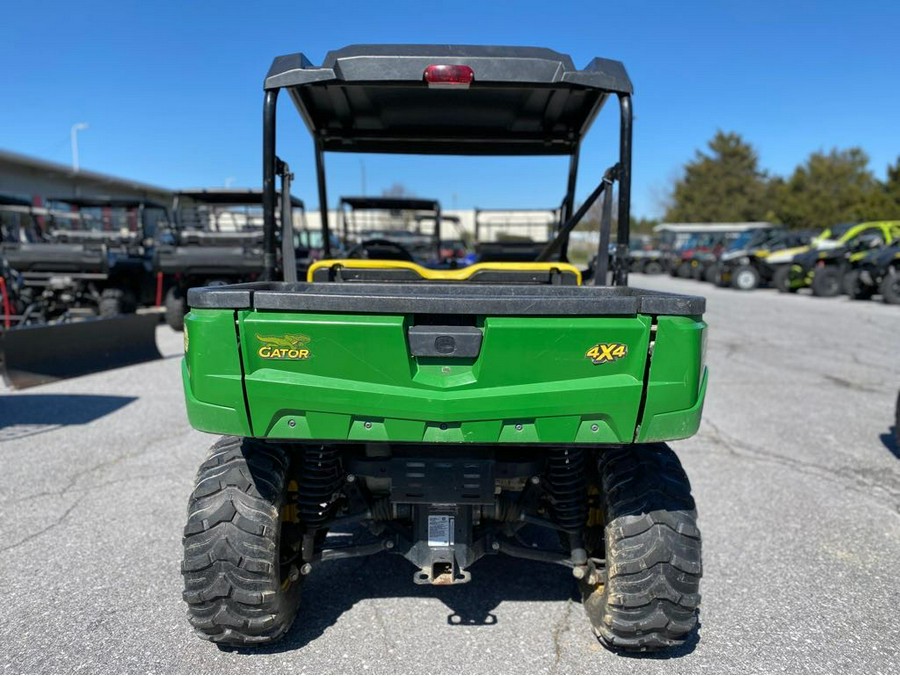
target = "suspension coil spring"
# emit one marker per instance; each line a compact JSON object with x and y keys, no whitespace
{"x":567,"y":481}
{"x":318,"y":482}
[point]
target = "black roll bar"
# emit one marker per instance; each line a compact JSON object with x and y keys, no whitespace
{"x":269,"y":170}
{"x":621,"y":172}
{"x":566,"y":228}
{"x":624,"y":225}
{"x":323,"y":198}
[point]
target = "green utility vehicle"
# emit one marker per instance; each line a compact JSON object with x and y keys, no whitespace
{"x":446,"y":415}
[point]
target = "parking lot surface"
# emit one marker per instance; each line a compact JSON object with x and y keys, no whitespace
{"x":795,"y":472}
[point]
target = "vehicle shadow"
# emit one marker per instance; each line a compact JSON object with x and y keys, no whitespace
{"x":333,"y":588}
{"x":27,"y":414}
{"x":890,"y":441}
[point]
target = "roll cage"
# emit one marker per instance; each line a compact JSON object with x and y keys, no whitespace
{"x":517,"y":101}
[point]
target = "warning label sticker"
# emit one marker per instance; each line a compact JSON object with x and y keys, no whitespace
{"x":440,"y":530}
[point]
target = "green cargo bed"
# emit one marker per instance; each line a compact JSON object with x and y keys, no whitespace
{"x":415,"y":362}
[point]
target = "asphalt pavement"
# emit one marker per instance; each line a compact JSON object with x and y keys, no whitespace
{"x":795,"y":472}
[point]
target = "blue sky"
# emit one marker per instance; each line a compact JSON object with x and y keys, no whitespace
{"x":172,"y":90}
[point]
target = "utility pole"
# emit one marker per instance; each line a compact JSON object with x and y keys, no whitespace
{"x":80,"y":126}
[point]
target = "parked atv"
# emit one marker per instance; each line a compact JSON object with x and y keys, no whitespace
{"x":35,"y":350}
{"x":514,"y":235}
{"x":824,"y":267}
{"x":744,"y":267}
{"x":391,"y":228}
{"x":446,"y":415}
{"x":88,"y":255}
{"x":216,"y":239}
{"x":876,"y":271}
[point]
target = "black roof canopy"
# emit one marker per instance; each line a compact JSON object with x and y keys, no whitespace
{"x":374,"y":98}
{"x":392,"y":203}
{"x":230,"y":196}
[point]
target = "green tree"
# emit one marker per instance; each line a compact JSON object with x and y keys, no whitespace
{"x":829,"y":188}
{"x":725,"y":185}
{"x":892,"y":190}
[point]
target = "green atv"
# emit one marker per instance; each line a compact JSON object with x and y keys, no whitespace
{"x":824,"y":266}
{"x":446,"y":415}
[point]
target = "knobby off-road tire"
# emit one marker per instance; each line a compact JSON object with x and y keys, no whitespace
{"x":781,"y":279}
{"x":176,"y":307}
{"x":827,"y":282}
{"x":651,"y":593}
{"x":854,"y":287}
{"x":890,"y":288}
{"x":236,"y":590}
{"x":114,"y":302}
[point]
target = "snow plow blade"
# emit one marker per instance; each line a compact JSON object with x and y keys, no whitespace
{"x":34,"y":355}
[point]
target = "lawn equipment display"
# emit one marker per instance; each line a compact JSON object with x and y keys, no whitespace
{"x":217,"y":238}
{"x":446,"y":415}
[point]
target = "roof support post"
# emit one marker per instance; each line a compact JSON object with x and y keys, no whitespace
{"x":268,"y":197}
{"x":624,"y":223}
{"x":569,"y":201}
{"x":323,"y":198}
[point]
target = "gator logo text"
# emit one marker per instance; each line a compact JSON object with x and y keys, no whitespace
{"x":603,"y":353}
{"x":283,"y":347}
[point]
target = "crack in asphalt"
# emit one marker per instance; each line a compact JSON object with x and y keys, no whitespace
{"x":147,"y":447}
{"x":382,"y":628}
{"x":859,"y":482}
{"x":562,"y":626}
{"x":71,"y":487}
{"x":62,"y":517}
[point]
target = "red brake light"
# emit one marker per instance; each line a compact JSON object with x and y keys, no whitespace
{"x":449,"y":76}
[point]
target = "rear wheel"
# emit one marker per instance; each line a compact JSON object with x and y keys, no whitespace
{"x":890,"y":287}
{"x":653,"y":268}
{"x":649,"y":596}
{"x":175,"y":308}
{"x":745,"y":278}
{"x":683,"y":270}
{"x":854,"y":288}
{"x":827,"y":282}
{"x":115,"y":302}
{"x":781,"y":279}
{"x":241,"y":577}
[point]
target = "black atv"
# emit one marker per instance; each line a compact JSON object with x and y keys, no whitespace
{"x":217,"y":239}
{"x":832,"y":269}
{"x":743,"y":266}
{"x":85,"y":255}
{"x":877,"y":271}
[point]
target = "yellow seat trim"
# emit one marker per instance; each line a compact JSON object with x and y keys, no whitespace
{"x":458,"y":275}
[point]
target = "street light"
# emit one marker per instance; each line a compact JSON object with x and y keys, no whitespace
{"x":80,"y":126}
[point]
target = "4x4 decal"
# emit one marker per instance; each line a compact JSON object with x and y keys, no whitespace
{"x":603,"y":353}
